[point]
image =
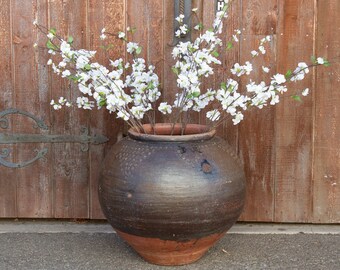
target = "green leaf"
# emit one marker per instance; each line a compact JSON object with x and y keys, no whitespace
{"x":139,"y":50}
{"x":215,"y":53}
{"x":70,"y":40}
{"x":196,"y":94}
{"x":87,"y":67}
{"x":133,"y":30}
{"x":296,"y":98}
{"x":175,"y":70}
{"x":224,"y":86}
{"x":102,"y":102}
{"x":313,"y":58}
{"x":74,"y":78}
{"x":327,"y":64}
{"x":53,"y":31}
{"x":230,"y":45}
{"x":150,"y":85}
{"x":50,"y":45}
{"x":288,"y":74}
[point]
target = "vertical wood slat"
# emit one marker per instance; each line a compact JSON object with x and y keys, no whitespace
{"x":294,"y":120}
{"x":101,"y":13}
{"x":7,"y":182}
{"x":257,"y":131}
{"x":68,"y":182}
{"x":147,"y":17}
{"x":70,"y":165}
{"x":227,"y":130}
{"x":326,"y":170}
{"x":33,"y":183}
{"x":169,"y":83}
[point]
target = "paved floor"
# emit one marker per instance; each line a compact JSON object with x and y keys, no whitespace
{"x":92,"y":249}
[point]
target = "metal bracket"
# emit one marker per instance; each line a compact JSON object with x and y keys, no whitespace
{"x":182,"y":7}
{"x":5,"y":138}
{"x":219,"y":5}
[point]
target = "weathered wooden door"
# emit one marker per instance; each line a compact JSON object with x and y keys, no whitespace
{"x":291,"y":152}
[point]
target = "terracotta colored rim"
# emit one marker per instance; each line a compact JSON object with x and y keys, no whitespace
{"x":162,"y":133}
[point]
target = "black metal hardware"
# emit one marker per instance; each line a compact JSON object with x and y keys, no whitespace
{"x":5,"y":138}
{"x":219,"y":5}
{"x":182,"y":7}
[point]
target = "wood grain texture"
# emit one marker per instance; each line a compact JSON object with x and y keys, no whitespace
{"x":7,"y":183}
{"x":257,"y":131}
{"x":290,"y":152}
{"x":169,"y":83}
{"x":294,"y":120}
{"x":70,"y":169}
{"x":147,"y":17}
{"x":34,"y":191}
{"x":326,"y":170}
{"x":100,"y":13}
{"x":227,"y":130}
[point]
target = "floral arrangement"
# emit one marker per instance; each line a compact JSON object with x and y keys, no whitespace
{"x":131,"y":90}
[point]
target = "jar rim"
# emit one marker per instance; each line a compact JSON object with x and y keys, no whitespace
{"x":161,"y":132}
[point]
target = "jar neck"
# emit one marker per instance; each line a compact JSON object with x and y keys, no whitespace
{"x":167,"y":132}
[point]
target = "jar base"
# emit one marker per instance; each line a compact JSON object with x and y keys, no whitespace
{"x":168,"y":252}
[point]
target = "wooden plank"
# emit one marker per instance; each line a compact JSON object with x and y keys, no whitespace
{"x":147,"y":17}
{"x":257,"y":131}
{"x":34,"y":191}
{"x":7,"y":183}
{"x":111,"y":15}
{"x":294,"y":120}
{"x":326,"y":170}
{"x":169,"y":83}
{"x":70,"y":167}
{"x":227,"y":130}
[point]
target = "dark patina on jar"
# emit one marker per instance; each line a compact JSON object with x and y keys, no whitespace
{"x":171,"y":197}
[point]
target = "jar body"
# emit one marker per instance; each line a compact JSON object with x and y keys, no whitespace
{"x":171,"y":201}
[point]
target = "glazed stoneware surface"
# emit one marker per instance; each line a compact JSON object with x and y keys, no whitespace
{"x":171,"y":201}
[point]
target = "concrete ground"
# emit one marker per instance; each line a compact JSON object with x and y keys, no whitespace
{"x":66,"y":245}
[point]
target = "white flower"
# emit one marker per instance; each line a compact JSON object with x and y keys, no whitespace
{"x":131,"y":47}
{"x":262,"y":49}
{"x":65,"y":73}
{"x":194,"y":9}
{"x":57,"y":107}
{"x":103,"y":36}
{"x":299,"y":72}
{"x":103,"y":30}
{"x":49,"y":62}
{"x":121,"y":35}
{"x":213,"y":115}
{"x":50,"y":35}
{"x":254,"y":53}
{"x":320,"y":61}
{"x":235,"y":38}
{"x":35,"y":45}
{"x":265,"y":69}
{"x":303,"y":66}
{"x":35,"y":22}
{"x":62,"y":100}
{"x":165,"y":108}
{"x":279,"y":79}
{"x":305,"y":92}
{"x":238,"y":118}
{"x":180,"y":18}
{"x":84,"y":103}
{"x":124,"y":115}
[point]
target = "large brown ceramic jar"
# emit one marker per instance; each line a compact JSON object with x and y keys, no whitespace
{"x":172,"y":197}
